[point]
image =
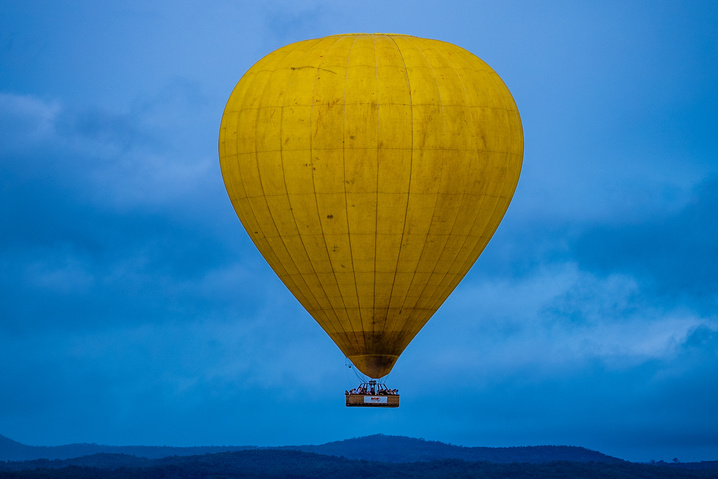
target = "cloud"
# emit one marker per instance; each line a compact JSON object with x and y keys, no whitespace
{"x":547,"y":297}
{"x":139,"y":158}
{"x":25,"y":120}
{"x":103,"y":220}
{"x":672,"y":255}
{"x":556,"y":321}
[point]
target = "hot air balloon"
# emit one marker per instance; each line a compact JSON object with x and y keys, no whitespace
{"x":371,"y":170}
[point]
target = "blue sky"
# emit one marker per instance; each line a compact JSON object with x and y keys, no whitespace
{"x":135,"y":310}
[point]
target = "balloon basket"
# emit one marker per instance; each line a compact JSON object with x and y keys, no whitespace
{"x":371,"y":394}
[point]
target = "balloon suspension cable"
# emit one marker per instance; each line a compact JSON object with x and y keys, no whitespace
{"x":370,"y":392}
{"x":360,"y":376}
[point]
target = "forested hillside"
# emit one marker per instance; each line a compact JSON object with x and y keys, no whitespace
{"x":371,"y":457}
{"x":296,"y":464}
{"x":406,"y":449}
{"x":373,"y":448}
{"x":14,"y":451}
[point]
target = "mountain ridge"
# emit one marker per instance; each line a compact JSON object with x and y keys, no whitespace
{"x":402,"y":449}
{"x":280,"y":463}
{"x":378,"y":447}
{"x":11,"y":450}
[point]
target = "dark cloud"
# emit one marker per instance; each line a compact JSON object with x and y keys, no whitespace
{"x":675,"y":254}
{"x":119,"y":131}
{"x":85,"y":237}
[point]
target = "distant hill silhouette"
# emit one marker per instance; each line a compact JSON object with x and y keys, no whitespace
{"x":14,"y":451}
{"x":406,"y":449}
{"x":282,"y":463}
{"x":397,"y":449}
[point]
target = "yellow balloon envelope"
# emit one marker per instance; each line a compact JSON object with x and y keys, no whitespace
{"x":371,"y":170}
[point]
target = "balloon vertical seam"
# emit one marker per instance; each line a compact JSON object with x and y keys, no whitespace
{"x":451,"y":234}
{"x":443,"y":124}
{"x":411,"y":167}
{"x":346,"y":199}
{"x":336,"y":321}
